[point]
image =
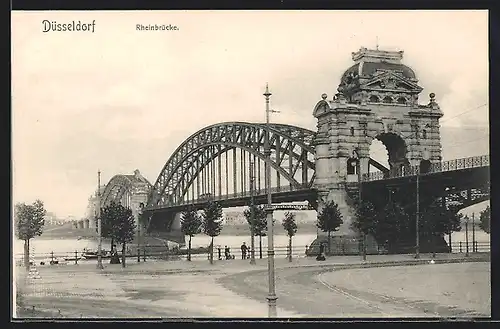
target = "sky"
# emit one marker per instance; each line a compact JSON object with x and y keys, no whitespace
{"x":119,"y":99}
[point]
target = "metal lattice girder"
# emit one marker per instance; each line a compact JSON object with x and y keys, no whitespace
{"x":463,"y":199}
{"x":121,"y":186}
{"x":191,"y":157}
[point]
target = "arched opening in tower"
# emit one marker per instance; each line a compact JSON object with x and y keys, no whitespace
{"x":425,"y":166}
{"x":388,"y":151}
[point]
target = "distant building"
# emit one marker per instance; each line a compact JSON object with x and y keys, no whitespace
{"x":51,"y":219}
{"x":91,"y":211}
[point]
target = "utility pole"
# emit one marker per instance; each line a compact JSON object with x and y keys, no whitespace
{"x":466,"y":235}
{"x":473,"y":235}
{"x":99,"y":224}
{"x":139,"y":213}
{"x":417,"y":219}
{"x":271,"y":298}
{"x":252,"y":215}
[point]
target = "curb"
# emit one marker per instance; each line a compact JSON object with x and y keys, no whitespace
{"x":331,"y":264}
{"x":402,"y":263}
{"x":347,"y":266}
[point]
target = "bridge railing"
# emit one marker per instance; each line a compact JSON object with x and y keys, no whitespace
{"x":450,"y":165}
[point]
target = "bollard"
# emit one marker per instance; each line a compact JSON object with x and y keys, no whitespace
{"x":306,"y":249}
{"x":76,"y":258}
{"x":460,"y":246}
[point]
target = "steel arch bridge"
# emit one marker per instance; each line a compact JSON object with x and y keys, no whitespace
{"x":200,"y":167}
{"x":122,"y":188}
{"x":213,"y":163}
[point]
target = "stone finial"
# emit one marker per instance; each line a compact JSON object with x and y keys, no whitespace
{"x":432,"y":97}
{"x":324,"y":96}
{"x":432,"y":102}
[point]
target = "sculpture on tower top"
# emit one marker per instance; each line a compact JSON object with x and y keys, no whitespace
{"x":379,"y":76}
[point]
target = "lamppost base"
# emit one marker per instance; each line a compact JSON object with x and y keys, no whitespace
{"x":271,"y":300}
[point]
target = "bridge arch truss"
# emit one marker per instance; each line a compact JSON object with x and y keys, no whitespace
{"x":215,"y":162}
{"x":122,"y":188}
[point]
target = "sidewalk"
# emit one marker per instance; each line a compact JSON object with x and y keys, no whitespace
{"x":176,"y":288}
{"x":238,"y":265}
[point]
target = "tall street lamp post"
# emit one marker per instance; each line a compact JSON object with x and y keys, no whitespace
{"x":252,"y":215}
{"x":360,"y":200}
{"x":271,"y":298}
{"x":466,"y":235}
{"x":473,"y":234}
{"x":139,"y":213}
{"x":417,"y":219}
{"x":99,"y":224}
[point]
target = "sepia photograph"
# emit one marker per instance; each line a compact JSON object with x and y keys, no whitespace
{"x":260,"y":164}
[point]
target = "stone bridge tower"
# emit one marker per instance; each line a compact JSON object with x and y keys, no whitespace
{"x":377,"y":99}
{"x":137,"y":196}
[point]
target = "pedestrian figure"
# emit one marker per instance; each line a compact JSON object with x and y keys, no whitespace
{"x":244,"y":251}
{"x":219,"y":252}
{"x":321,"y":256}
{"x":226,"y":252}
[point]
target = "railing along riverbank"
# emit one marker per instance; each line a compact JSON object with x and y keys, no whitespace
{"x":153,"y":253}
{"x":156,"y":254}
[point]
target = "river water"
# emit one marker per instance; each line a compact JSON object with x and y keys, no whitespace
{"x":68,"y":246}
{"x":42,"y":248}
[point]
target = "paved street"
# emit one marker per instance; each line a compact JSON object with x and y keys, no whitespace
{"x":236,"y":289}
{"x":444,"y":290}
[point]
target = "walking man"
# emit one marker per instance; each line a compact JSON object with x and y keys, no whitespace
{"x":244,"y":251}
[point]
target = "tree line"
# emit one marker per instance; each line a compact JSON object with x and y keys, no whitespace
{"x":390,"y":225}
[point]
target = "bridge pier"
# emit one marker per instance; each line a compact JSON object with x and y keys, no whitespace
{"x":92,"y":223}
{"x":167,"y":226}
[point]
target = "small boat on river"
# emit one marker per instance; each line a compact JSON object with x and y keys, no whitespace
{"x":90,"y":254}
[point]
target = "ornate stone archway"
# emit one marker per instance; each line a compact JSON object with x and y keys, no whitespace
{"x":377,"y":98}
{"x":397,"y":152}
